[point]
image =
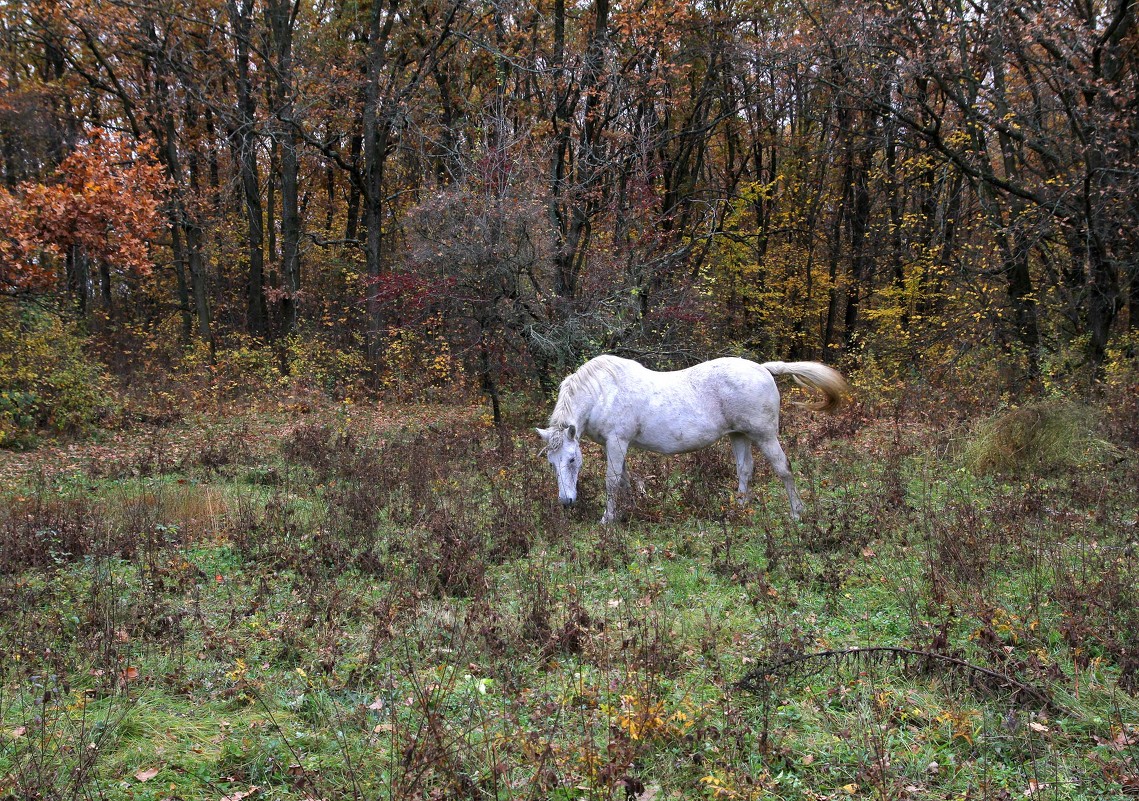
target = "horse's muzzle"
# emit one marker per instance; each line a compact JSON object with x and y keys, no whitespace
{"x":567,"y":502}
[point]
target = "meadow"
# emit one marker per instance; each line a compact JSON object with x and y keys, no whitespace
{"x":376,"y":601}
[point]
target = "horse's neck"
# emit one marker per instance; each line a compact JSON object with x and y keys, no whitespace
{"x":574,"y":402}
{"x":569,"y":410}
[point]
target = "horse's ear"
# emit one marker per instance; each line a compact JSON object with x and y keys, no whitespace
{"x":571,"y":432}
{"x":544,"y":433}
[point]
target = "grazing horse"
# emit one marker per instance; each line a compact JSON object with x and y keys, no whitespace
{"x":617,"y":403}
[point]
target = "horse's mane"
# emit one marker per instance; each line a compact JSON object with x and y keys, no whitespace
{"x":581,"y":385}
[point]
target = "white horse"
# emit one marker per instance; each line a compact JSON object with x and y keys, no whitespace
{"x":617,"y":403}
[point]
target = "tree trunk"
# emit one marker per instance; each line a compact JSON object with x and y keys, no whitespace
{"x":489,"y":385}
{"x":352,"y":223}
{"x":573,"y":199}
{"x":179,"y":253}
{"x":105,"y":288}
{"x":244,"y":137}
{"x":386,"y":89}
{"x":377,"y":130}
{"x":1103,"y":301}
{"x":861,"y":262}
{"x":198,"y":278}
{"x":78,"y":279}
{"x":282,"y":15}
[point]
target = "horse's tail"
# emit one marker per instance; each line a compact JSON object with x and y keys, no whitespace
{"x":816,"y":376}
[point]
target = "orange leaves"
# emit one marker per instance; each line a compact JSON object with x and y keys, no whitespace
{"x":17,"y":244}
{"x":105,"y":202}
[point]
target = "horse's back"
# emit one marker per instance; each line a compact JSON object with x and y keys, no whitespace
{"x":731,"y":376}
{"x":729,"y":379}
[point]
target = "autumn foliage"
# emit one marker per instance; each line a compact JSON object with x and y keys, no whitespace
{"x":104,"y":202}
{"x":526,"y":184}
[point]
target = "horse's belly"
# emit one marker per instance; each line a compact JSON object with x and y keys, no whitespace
{"x":676,"y":438}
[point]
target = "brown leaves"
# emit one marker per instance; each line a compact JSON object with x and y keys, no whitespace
{"x":146,"y":774}
{"x":240,"y":794}
{"x":1121,"y":740}
{"x":105,"y":205}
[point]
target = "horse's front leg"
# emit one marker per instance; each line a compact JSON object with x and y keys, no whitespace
{"x":614,"y":475}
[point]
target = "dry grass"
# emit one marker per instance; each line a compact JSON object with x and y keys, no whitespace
{"x":1037,"y":438}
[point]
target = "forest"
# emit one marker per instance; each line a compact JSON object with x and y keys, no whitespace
{"x":287,"y":285}
{"x":487,"y":193}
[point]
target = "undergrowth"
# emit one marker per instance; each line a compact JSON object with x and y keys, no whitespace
{"x":1038,"y":437}
{"x":335,"y":608}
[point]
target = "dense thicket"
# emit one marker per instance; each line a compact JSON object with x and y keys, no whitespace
{"x":501,"y":187}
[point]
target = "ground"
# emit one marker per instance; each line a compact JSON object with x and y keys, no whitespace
{"x":385,"y":601}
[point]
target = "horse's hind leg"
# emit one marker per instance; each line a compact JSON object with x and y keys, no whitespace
{"x":745,"y":463}
{"x":778,"y":459}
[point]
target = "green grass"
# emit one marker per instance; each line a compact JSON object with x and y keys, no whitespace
{"x":317,"y":615}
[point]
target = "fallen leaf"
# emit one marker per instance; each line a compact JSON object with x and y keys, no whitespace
{"x":147,"y":774}
{"x":378,"y":704}
{"x":240,"y":794}
{"x":650,"y":793}
{"x":1038,"y":727}
{"x":1119,"y":742}
{"x":19,"y":731}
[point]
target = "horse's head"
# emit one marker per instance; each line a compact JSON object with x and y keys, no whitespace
{"x":563,"y":449}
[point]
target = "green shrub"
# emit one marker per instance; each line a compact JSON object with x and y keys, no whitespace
{"x":47,"y":381}
{"x":320,"y":363}
{"x":1036,"y":437}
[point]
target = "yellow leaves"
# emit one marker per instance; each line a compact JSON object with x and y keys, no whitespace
{"x":718,"y":787}
{"x":640,"y":717}
{"x":962,"y":723}
{"x":238,"y":672}
{"x":646,"y":717}
{"x":727,"y":785}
